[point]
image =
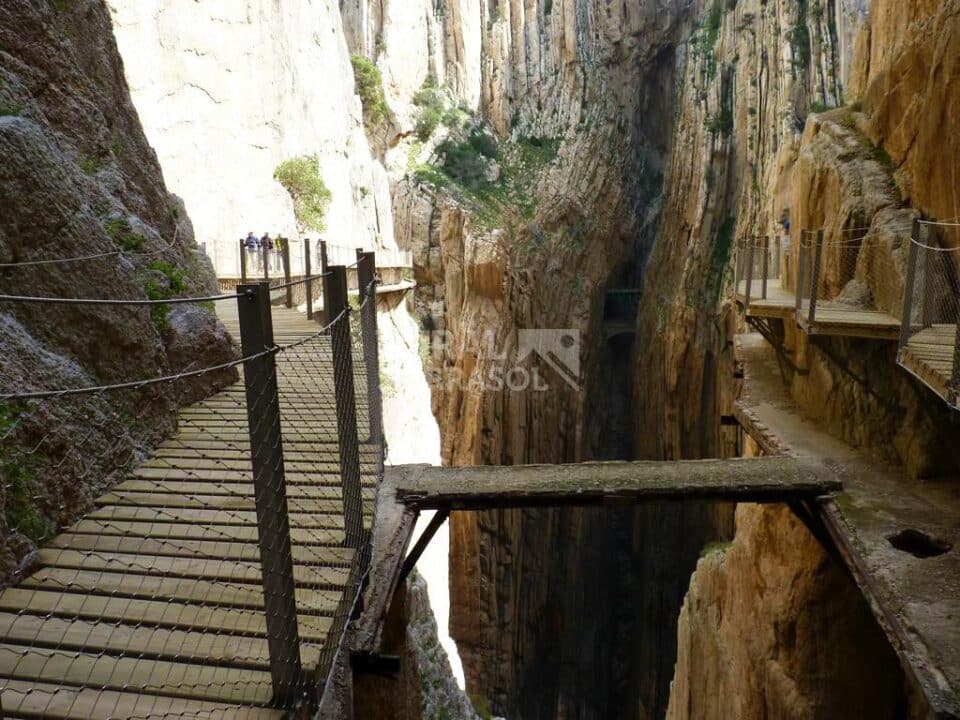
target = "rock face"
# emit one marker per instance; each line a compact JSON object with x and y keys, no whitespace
{"x":425,"y":688}
{"x":78,"y":178}
{"x":227,"y":93}
{"x":772,"y":628}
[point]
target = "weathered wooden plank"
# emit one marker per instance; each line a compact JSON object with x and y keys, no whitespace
{"x":166,"y":613}
{"x":157,"y":587}
{"x":141,"y":641}
{"x":218,"y":549}
{"x":233,"y":501}
{"x":192,"y":531}
{"x":38,"y":700}
{"x":160,"y":677}
{"x":213,"y":487}
{"x":208,"y":516}
{"x":772,"y":479}
{"x":192,"y":567}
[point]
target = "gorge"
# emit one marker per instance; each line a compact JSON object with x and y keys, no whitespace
{"x":535,"y":158}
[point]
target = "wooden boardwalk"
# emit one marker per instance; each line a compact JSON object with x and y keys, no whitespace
{"x":831,"y":317}
{"x":929,"y":356}
{"x":151,"y":605}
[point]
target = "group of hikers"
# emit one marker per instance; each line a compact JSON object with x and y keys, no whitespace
{"x":263,"y":252}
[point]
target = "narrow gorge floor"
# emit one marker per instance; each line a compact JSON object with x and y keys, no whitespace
{"x":914,"y":589}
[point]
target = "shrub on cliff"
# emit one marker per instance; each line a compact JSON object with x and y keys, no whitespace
{"x":301,"y":178}
{"x":368,"y":84}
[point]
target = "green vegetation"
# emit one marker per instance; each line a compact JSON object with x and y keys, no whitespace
{"x":123,"y":235}
{"x":431,"y":103}
{"x":368,"y":83}
{"x":715,"y":548}
{"x":20,"y":484}
{"x":721,"y":123}
{"x":462,"y":170}
{"x":818,"y":107}
{"x":706,"y":39}
{"x":301,"y":178}
{"x":720,"y":259}
{"x":10,"y":108}
{"x":89,"y":165}
{"x":176,"y":284}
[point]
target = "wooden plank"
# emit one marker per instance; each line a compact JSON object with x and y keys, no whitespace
{"x":211,"y":487}
{"x":209,"y":517}
{"x":169,"y":614}
{"x":190,"y":531}
{"x":187,"y":567}
{"x":159,"y":677}
{"x":233,"y":501}
{"x":142,"y":641}
{"x":768,"y":479}
{"x":310,"y":601}
{"x":56,"y":702}
{"x":222,"y":550}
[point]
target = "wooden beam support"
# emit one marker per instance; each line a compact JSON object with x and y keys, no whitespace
{"x":768,"y":479}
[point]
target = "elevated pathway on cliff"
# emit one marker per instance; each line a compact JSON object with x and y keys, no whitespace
{"x":216,"y":578}
{"x":899,"y":537}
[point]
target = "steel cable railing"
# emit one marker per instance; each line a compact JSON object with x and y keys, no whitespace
{"x":760,"y":267}
{"x":929,"y":345}
{"x":217,"y":551}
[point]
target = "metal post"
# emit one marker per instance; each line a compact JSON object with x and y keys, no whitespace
{"x":766,"y":265}
{"x":336,"y":303}
{"x":265,"y":255}
{"x":798,"y":280}
{"x":285,"y":259}
{"x":906,"y":319}
{"x":324,"y":264}
{"x":737,"y":256}
{"x":746,"y":295}
{"x":243,"y":262}
{"x":815,"y":279}
{"x":954,"y":390}
{"x":367,"y":282}
{"x":307,"y":273}
{"x":273,"y":525}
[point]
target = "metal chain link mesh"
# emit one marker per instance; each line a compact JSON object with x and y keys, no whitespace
{"x":223,"y":548}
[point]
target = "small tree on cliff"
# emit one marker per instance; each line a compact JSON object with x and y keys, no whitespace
{"x":301,"y":178}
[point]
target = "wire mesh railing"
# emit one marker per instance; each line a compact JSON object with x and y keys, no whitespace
{"x":929,"y":337}
{"x":760,"y":267}
{"x":216,"y":551}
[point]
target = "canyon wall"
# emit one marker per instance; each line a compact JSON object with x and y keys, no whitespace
{"x":229,"y":91}
{"x":751,"y":632}
{"x":78,"y":178}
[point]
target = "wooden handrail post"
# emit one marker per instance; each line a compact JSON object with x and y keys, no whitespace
{"x":798,"y":280}
{"x":273,"y":525}
{"x":285,"y":259}
{"x":367,"y":282}
{"x":906,"y":320}
{"x":321,"y":317}
{"x":308,"y":275}
{"x":243,"y":262}
{"x":337,"y":304}
{"x":766,"y":265}
{"x":815,"y":279}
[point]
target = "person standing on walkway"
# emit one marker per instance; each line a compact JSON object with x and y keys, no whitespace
{"x":266,"y":245}
{"x":252,"y":245}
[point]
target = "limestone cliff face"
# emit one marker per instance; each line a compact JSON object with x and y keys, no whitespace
{"x":78,"y":178}
{"x":538,"y":596}
{"x":229,"y":91}
{"x":772,"y":628}
{"x":747,"y":149}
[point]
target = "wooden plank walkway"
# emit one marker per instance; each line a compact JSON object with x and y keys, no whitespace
{"x":831,"y":317}
{"x":929,"y":356}
{"x":152,"y":605}
{"x":481,"y":487}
